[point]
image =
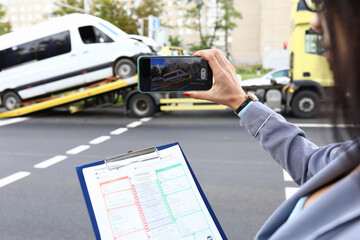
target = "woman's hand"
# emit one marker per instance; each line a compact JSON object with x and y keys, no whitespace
{"x":226,"y":88}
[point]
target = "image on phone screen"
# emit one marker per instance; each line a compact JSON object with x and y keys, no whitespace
{"x":166,"y":74}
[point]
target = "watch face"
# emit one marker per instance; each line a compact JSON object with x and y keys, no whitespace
{"x":252,"y":96}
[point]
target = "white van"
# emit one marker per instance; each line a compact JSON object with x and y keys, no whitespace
{"x":175,"y":75}
{"x":63,"y":53}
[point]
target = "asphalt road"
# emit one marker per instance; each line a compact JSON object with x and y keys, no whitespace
{"x":242,"y":183}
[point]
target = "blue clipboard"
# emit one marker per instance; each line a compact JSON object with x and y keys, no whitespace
{"x":84,"y":189}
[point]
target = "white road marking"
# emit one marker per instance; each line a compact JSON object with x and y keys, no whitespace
{"x":321,"y":125}
{"x":289,"y":191}
{"x":287,"y":177}
{"x":13,"y":178}
{"x":100,"y":140}
{"x":51,"y":161}
{"x":78,"y":149}
{"x":146,"y":119}
{"x":118,"y":131}
{"x":19,"y":175}
{"x":12,"y":120}
{"x":134,"y":124}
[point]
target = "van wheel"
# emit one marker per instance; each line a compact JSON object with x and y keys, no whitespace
{"x":306,"y":104}
{"x":11,"y":100}
{"x":124,"y":68}
{"x":142,"y":105}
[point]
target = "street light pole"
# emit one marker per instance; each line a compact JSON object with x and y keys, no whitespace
{"x":70,"y":7}
{"x":86,"y":7}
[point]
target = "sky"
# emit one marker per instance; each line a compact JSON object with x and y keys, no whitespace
{"x":158,"y":61}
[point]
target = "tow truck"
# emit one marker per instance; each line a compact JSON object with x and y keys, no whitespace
{"x":109,"y":91}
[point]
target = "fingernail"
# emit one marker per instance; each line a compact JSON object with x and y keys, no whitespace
{"x":193,"y":53}
{"x":186,"y":94}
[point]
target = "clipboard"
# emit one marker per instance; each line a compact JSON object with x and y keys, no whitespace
{"x":148,"y":194}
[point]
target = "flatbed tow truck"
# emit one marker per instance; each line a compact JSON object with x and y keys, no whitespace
{"x":108,"y":92}
{"x":101,"y":92}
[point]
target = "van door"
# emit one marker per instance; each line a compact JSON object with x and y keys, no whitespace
{"x":59,"y":63}
{"x":96,"y":53}
{"x":19,"y":70}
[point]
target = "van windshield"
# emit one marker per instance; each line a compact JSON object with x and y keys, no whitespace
{"x":114,"y":30}
{"x":91,"y":34}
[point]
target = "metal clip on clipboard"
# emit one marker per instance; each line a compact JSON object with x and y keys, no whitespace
{"x":131,"y":157}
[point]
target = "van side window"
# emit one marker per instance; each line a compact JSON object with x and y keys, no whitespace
{"x":91,"y":34}
{"x":40,"y":49}
{"x":18,"y":54}
{"x":54,"y":45}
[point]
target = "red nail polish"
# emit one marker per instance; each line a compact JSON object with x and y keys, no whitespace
{"x":193,"y":53}
{"x":186,"y":94}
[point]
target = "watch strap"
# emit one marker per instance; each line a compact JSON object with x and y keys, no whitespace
{"x":241,"y":107}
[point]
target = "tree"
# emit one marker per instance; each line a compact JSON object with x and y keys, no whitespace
{"x":194,"y":14}
{"x":65,"y":7}
{"x":145,"y":9}
{"x":226,"y":24}
{"x":174,"y":41}
{"x":224,"y":21}
{"x":155,"y":71}
{"x":5,"y":27}
{"x":164,"y":71}
{"x":114,"y":12}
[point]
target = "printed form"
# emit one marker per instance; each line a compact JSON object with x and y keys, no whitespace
{"x":153,"y":199}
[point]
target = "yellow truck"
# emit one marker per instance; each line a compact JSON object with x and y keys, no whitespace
{"x":303,"y":88}
{"x":309,"y":71}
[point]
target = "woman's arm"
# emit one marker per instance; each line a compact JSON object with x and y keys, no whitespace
{"x":286,"y":143}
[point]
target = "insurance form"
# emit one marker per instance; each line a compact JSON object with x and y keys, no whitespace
{"x":153,"y":197}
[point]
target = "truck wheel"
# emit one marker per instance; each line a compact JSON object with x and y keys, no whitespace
{"x":124,"y":68}
{"x":11,"y":100}
{"x":142,"y":105}
{"x":306,"y":104}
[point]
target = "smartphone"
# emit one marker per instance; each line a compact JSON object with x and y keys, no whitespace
{"x":173,"y":74}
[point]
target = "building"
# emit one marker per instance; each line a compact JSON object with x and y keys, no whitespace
{"x":257,"y":39}
{"x":260,"y":35}
{"x":23,"y":13}
{"x":174,"y":16}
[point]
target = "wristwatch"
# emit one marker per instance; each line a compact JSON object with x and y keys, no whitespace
{"x":251,"y":98}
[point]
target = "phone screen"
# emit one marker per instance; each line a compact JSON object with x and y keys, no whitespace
{"x":168,"y":74}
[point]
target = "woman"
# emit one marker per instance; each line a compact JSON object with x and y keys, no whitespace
{"x":327,"y":206}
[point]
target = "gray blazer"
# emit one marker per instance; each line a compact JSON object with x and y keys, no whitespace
{"x":336,"y":215}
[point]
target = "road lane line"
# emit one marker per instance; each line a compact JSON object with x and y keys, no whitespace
{"x":145,"y":119}
{"x":134,"y":124}
{"x":12,"y":120}
{"x":289,"y":191}
{"x":118,"y":131}
{"x":100,"y":140}
{"x":51,"y":161}
{"x":13,"y":178}
{"x":287,"y":177}
{"x":78,"y":149}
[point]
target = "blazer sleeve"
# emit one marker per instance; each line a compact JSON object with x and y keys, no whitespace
{"x":287,"y":143}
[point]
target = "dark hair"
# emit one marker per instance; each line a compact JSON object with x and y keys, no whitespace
{"x":343,"y":20}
